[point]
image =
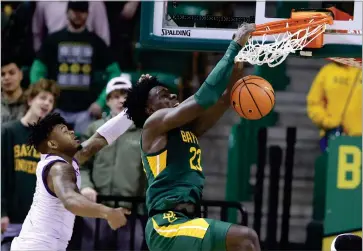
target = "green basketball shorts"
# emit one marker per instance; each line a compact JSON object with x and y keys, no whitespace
{"x":174,"y":231}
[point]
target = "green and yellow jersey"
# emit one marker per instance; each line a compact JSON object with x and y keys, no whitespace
{"x":174,"y":173}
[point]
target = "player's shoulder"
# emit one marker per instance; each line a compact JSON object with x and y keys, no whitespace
{"x":59,"y":167}
{"x":155,"y":119}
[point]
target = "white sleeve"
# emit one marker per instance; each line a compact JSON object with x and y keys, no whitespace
{"x":115,"y":127}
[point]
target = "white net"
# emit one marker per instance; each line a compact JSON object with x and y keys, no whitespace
{"x":263,"y":51}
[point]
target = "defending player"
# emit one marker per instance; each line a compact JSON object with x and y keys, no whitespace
{"x":49,"y":223}
{"x":172,"y":159}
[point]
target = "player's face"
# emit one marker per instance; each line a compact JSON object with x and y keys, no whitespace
{"x":42,"y":104}
{"x":116,"y":101}
{"x":160,"y":98}
{"x":64,"y":139}
{"x":11,"y":77}
{"x":77,"y":19}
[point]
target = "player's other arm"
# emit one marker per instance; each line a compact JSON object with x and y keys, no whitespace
{"x":208,"y":95}
{"x":62,"y":181}
{"x":104,"y":136}
{"x":208,"y":119}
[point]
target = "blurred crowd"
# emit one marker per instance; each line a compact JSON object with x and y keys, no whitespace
{"x":77,"y":59}
{"x":66,"y":57}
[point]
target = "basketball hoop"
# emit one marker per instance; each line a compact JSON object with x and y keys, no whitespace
{"x":289,"y":35}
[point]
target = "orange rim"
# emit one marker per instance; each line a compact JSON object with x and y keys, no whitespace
{"x":297,"y":23}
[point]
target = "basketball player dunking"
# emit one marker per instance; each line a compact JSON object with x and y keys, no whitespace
{"x":171,"y":157}
{"x":49,"y":223}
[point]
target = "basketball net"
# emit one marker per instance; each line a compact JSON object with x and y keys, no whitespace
{"x":288,"y":39}
{"x":262,"y":51}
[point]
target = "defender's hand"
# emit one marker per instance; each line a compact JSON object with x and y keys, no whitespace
{"x":243,"y":33}
{"x":116,"y":217}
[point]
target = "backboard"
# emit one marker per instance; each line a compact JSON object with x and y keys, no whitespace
{"x":209,"y":26}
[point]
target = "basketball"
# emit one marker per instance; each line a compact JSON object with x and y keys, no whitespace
{"x":252,"y":97}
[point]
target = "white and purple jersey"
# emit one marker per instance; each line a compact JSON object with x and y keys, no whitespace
{"x":48,"y":225}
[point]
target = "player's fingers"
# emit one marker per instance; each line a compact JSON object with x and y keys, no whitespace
{"x":126,"y":211}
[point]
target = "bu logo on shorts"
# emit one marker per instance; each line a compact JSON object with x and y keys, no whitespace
{"x":170,"y":216}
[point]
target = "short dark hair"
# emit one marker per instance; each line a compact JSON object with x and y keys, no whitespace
{"x":136,"y":100}
{"x":41,"y":130}
{"x":8,"y":58}
{"x":81,"y":6}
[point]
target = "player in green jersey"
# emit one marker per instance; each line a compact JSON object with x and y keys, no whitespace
{"x":172,"y":158}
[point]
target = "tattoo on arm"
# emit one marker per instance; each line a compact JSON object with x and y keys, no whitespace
{"x":62,"y":181}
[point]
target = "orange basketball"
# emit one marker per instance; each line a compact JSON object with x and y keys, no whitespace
{"x":252,"y":97}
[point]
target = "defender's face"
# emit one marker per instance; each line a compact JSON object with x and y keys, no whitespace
{"x":64,"y":139}
{"x":160,"y":98}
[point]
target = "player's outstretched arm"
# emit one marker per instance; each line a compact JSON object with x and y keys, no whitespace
{"x":104,"y":136}
{"x":209,"y":93}
{"x":61,"y":180}
{"x":208,"y":119}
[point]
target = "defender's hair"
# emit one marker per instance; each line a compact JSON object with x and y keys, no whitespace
{"x":41,"y":130}
{"x":43,"y":85}
{"x":136,"y":100}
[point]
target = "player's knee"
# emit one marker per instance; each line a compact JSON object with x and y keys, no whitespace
{"x":243,"y":238}
{"x":249,"y":237}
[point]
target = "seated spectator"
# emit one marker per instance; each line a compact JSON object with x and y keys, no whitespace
{"x":50,"y":17}
{"x":334,"y":102}
{"x":19,"y":162}
{"x":116,"y":170}
{"x":76,"y":58}
{"x":12,"y":95}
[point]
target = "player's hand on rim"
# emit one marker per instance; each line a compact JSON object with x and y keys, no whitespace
{"x":243,"y":33}
{"x":116,"y":217}
{"x":144,"y":76}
